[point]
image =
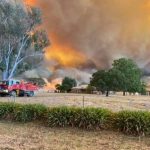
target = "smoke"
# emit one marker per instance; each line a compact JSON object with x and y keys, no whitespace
{"x":90,"y":34}
{"x":39,"y":72}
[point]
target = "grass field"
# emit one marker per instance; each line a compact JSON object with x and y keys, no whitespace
{"x":35,"y":137}
{"x":30,"y":136}
{"x":114,"y":102}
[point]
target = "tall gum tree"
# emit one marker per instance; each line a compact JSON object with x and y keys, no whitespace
{"x":21,"y":38}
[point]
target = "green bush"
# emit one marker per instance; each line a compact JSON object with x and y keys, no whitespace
{"x":93,"y":118}
{"x":22,"y":113}
{"x":135,"y":123}
{"x":27,"y":113}
{"x":60,"y":117}
{"x":88,"y":118}
{"x":129,"y":122}
{"x":6,"y":110}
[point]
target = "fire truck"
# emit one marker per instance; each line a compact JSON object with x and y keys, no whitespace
{"x":14,"y":88}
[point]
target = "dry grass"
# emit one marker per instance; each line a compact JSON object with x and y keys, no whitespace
{"x":114,"y":102}
{"x":35,"y":137}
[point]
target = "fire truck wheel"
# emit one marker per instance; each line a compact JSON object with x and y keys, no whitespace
{"x":31,"y":94}
{"x":2,"y":95}
{"x":13,"y":93}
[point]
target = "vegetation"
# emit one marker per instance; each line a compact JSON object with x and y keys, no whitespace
{"x":21,"y":39}
{"x":90,"y":89}
{"x":67,"y":85}
{"x":88,"y":118}
{"x":128,"y":76}
{"x":136,"y":123}
{"x":102,"y":81}
{"x":123,"y":76}
{"x":129,"y":122}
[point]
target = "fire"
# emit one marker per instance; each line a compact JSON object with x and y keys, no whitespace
{"x":51,"y":85}
{"x":30,"y":2}
{"x":64,"y":55}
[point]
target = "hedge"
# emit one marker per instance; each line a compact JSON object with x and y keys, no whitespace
{"x":129,"y":122}
{"x":22,"y":113}
{"x":133,"y":122}
{"x":88,"y":118}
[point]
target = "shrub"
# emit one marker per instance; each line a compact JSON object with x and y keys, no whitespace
{"x":93,"y":118}
{"x":6,"y":110}
{"x":22,"y":113}
{"x":59,"y":117}
{"x":129,"y":122}
{"x":136,"y":122}
{"x":88,"y":118}
{"x":27,"y":113}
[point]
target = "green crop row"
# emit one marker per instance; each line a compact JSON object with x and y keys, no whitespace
{"x":129,"y":122}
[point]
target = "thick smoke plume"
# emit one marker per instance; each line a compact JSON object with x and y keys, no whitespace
{"x":90,"y":34}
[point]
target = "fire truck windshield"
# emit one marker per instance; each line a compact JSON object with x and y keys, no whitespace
{"x":4,"y":82}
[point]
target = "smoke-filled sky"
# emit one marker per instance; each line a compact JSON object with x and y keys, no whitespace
{"x":89,"y":34}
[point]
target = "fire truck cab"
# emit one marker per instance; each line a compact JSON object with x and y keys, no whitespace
{"x":14,"y":87}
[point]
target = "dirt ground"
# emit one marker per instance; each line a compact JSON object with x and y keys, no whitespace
{"x":114,"y":102}
{"x":35,"y":137}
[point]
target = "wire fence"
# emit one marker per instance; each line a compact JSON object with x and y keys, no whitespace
{"x":115,"y":103}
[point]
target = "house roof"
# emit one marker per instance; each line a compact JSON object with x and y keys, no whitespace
{"x":80,"y":87}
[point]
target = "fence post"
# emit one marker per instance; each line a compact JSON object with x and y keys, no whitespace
{"x":83,"y":101}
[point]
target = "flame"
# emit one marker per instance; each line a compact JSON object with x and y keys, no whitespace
{"x":51,"y":85}
{"x":64,"y":55}
{"x":30,"y":2}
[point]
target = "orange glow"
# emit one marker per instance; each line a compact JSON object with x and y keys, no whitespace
{"x":51,"y":85}
{"x":66,"y":56}
{"x":63,"y":54}
{"x":30,"y":2}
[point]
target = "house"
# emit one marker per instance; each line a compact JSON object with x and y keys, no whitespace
{"x":80,"y":89}
{"x":85,"y":89}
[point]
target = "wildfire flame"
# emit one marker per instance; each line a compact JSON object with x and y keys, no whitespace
{"x":30,"y":2}
{"x":51,"y":85}
{"x":64,"y":55}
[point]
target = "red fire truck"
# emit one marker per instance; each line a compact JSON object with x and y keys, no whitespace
{"x":14,"y":87}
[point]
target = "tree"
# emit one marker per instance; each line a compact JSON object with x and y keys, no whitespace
{"x":21,"y":39}
{"x":90,"y":89}
{"x":67,"y":85}
{"x":58,"y":87}
{"x":123,"y":76}
{"x":127,"y":76}
{"x":102,"y":81}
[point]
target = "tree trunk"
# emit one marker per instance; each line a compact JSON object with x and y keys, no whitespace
{"x":124,"y":93}
{"x":107,"y":93}
{"x":4,"y":75}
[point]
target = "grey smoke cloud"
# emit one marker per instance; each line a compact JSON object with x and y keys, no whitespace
{"x":102,"y":30}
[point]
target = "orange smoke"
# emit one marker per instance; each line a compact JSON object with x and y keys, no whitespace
{"x":63,"y":54}
{"x":30,"y":2}
{"x":51,"y":85}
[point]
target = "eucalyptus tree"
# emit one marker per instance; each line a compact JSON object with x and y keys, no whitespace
{"x":21,"y":38}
